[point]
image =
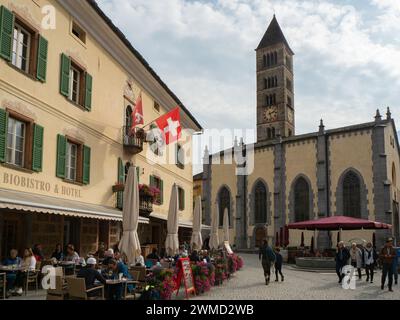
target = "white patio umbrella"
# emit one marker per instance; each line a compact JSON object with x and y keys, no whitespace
{"x":130,"y":244}
{"x":197,"y":240}
{"x":214,"y":238}
{"x":172,"y":241}
{"x":226,"y":225}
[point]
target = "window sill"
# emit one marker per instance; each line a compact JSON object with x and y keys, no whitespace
{"x":76,"y":104}
{"x":27,"y":74}
{"x":15,"y":167}
{"x":80,"y":184}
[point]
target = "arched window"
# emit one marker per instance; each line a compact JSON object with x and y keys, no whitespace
{"x":351,"y":195}
{"x":265,"y":60}
{"x":394,"y":180}
{"x":268,"y":60}
{"x":301,"y":200}
{"x":260,"y":203}
{"x":224,"y":200}
{"x":128,"y":119}
{"x":273,"y":133}
{"x":269,"y":133}
{"x":274,"y":99}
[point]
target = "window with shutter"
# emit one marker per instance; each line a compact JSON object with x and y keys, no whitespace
{"x":159,"y":184}
{"x":41,"y":69}
{"x":86,"y":165}
{"x":121,"y":179}
{"x":37,"y":152}
{"x":88,"y":92}
{"x":6,"y":33}
{"x":64,"y":74}
{"x":3,"y":134}
{"x":181,"y":196}
{"x":61,"y":156}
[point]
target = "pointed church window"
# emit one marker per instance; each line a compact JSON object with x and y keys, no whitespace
{"x":351,"y":195}
{"x":260,"y":203}
{"x":224,"y":200}
{"x":302,"y":200}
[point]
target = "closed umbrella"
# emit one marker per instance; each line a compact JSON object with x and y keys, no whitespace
{"x":214,"y":238}
{"x":226,"y":225}
{"x":302,"y":240}
{"x":281,"y":238}
{"x":277,"y":244}
{"x":129,"y":244}
{"x":286,"y":236}
{"x":172,"y":241}
{"x":197,"y":240}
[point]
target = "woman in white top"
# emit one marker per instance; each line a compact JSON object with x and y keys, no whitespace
{"x":29,"y":264}
{"x":370,"y":257}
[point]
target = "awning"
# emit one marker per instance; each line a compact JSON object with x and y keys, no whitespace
{"x":28,"y":202}
{"x":181,"y":223}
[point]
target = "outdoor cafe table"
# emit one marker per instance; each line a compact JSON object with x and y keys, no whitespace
{"x":10,"y":268}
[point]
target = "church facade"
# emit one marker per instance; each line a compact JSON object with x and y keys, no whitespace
{"x":353,"y":171}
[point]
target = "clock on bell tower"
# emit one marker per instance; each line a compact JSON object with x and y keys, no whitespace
{"x":275,"y":89}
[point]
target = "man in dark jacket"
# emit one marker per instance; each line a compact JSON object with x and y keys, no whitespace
{"x":278,"y":265}
{"x":342,"y":257}
{"x":267,"y":257}
{"x":388,"y":254}
{"x":90,"y":274}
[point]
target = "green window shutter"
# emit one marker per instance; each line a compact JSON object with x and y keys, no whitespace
{"x":64,"y":75}
{"x":138,"y":174}
{"x":6,"y":32}
{"x":37,"y":150}
{"x":88,"y":92}
{"x":3,"y":134}
{"x":86,"y":165}
{"x":161,"y":191}
{"x":121,"y":179}
{"x":42,"y":59}
{"x":61,"y":155}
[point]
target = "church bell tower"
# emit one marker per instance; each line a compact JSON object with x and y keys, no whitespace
{"x":275,"y":85}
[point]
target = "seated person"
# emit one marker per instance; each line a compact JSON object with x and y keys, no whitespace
{"x":90,"y":274}
{"x":72,"y":255}
{"x":38,"y":252}
{"x":100,"y":252}
{"x":108,"y":256}
{"x":205,"y":256}
{"x":153,"y":255}
{"x":119,"y":257}
{"x":29,"y":263}
{"x":194,"y":257}
{"x":12,"y":260}
{"x":118,"y":268}
{"x":58,"y":253}
{"x":139,"y":261}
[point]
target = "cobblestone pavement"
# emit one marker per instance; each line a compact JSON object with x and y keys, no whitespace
{"x":248,"y":284}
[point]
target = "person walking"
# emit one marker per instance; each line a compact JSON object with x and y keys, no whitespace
{"x":370,"y":260}
{"x":396,"y":266}
{"x":356,"y":258}
{"x":278,"y":265}
{"x":341,"y":258}
{"x":387,"y":255}
{"x":267,"y":257}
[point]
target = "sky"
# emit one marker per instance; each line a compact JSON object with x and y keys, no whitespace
{"x":346,"y":65}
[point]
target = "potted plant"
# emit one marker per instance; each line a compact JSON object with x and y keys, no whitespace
{"x":118,"y":187}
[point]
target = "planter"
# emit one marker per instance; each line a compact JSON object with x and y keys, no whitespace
{"x":145,"y":206}
{"x":316,"y":263}
{"x":118,"y":188}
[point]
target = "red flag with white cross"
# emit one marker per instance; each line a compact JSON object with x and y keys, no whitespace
{"x":170,"y":126}
{"x":137,"y":115}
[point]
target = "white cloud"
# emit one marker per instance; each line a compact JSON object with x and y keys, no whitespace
{"x":204,"y":50}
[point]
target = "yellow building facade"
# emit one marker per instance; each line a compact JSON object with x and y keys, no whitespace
{"x":67,"y":91}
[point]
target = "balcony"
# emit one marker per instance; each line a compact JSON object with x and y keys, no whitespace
{"x":133,"y":139}
{"x":145,"y":200}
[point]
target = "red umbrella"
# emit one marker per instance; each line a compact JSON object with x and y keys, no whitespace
{"x":286,"y":236}
{"x":302,"y":240}
{"x":277,"y":240}
{"x":281,"y":237}
{"x":339,"y":223}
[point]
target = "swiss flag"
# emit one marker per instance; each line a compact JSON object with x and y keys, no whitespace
{"x":170,"y":126}
{"x":137,"y":114}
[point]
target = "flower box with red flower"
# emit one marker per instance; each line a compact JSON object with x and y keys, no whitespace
{"x":118,"y":187}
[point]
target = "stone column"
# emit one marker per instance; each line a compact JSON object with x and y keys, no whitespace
{"x":206,"y":187}
{"x":279,"y":185}
{"x":323,"y":241}
{"x":382,"y":196}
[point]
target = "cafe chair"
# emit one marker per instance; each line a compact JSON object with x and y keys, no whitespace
{"x":134,"y":281}
{"x":61,"y":290}
{"x":32,"y":277}
{"x":77,"y":290}
{"x":3,"y":285}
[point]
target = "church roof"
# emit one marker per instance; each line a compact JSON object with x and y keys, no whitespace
{"x":273,"y":35}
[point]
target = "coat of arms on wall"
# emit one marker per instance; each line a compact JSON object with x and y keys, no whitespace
{"x":128,"y":91}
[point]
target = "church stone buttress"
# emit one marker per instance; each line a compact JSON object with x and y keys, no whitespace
{"x":275,"y":85}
